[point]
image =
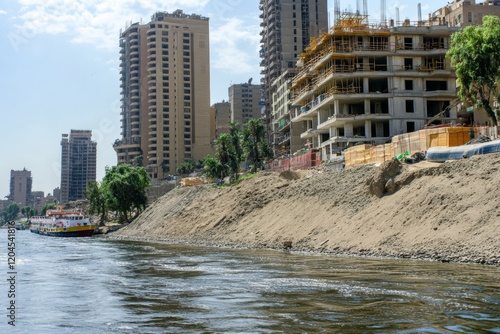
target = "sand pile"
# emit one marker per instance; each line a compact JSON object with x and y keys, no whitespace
{"x":448,"y":212}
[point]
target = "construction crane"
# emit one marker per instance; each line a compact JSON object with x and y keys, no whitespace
{"x":439,"y":114}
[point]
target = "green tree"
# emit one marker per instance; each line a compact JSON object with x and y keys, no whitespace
{"x":28,"y":212}
{"x":10,"y":213}
{"x":237,"y":150}
{"x":48,"y":206}
{"x":125,"y":190}
{"x":96,"y":194}
{"x":212,"y":167}
{"x":186,"y":167}
{"x":475,"y":55}
{"x":137,"y":161}
{"x":254,"y":142}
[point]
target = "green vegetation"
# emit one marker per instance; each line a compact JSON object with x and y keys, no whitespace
{"x":48,"y":206}
{"x":187,"y":167}
{"x":9,"y":213}
{"x":97,"y":200}
{"x":123,"y":189}
{"x":475,"y":55}
{"x":257,"y":149}
{"x":233,"y":148}
{"x":28,"y":212}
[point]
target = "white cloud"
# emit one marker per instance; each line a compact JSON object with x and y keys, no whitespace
{"x":2,"y":12}
{"x":95,"y":22}
{"x":234,"y":45}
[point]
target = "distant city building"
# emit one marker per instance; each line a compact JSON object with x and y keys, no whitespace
{"x":20,"y":187}
{"x":165,"y":82}
{"x":287,"y":29}
{"x":245,"y":102}
{"x":4,"y":203}
{"x":462,"y":13}
{"x":78,"y":164}
{"x":222,"y":117}
{"x":37,"y":199}
{"x":57,"y":194}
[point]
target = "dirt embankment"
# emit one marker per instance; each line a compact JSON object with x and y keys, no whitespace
{"x":447,"y":212}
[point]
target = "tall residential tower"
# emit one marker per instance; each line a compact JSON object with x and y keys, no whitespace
{"x":287,"y":29}
{"x":78,"y":164}
{"x":20,"y":187}
{"x":165,"y":82}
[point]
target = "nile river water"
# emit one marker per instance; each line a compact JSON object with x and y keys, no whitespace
{"x":100,"y":285}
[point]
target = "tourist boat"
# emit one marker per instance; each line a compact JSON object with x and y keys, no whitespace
{"x":63,"y":223}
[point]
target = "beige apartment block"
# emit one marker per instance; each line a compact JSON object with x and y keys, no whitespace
{"x":165,"y":82}
{"x":245,"y":102}
{"x":287,"y":29}
{"x":221,"y":118}
{"x":20,"y":187}
{"x":367,"y":83}
{"x":462,"y":13}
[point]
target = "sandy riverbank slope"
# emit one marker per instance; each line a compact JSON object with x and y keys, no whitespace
{"x":448,"y":212}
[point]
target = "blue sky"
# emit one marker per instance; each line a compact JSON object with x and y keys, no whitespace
{"x":60,"y":64}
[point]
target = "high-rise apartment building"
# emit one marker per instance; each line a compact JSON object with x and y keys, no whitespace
{"x":78,"y":164}
{"x":462,"y":13}
{"x":165,"y":81}
{"x":245,"y":102}
{"x":287,"y":29}
{"x":20,"y":187}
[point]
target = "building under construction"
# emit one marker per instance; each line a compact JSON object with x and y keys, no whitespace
{"x":365,"y":82}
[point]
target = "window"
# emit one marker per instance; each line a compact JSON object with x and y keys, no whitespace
{"x":410,"y":126}
{"x":469,"y":17}
{"x":408,"y":64}
{"x":432,"y":85}
{"x":186,"y":41}
{"x":408,"y":84}
{"x":409,"y":106}
{"x":408,"y":43}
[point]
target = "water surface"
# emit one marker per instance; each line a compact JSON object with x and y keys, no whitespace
{"x":98,"y":285}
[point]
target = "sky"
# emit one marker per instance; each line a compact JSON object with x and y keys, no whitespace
{"x":60,"y":69}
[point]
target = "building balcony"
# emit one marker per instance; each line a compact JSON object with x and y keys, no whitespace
{"x":339,"y":120}
{"x":312,"y":133}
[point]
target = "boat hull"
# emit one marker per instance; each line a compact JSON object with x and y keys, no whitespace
{"x":77,"y":231}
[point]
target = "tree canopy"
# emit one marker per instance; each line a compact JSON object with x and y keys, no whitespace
{"x":256,"y":147}
{"x":123,"y":189}
{"x":9,"y":213}
{"x":236,"y":146}
{"x":475,"y":55}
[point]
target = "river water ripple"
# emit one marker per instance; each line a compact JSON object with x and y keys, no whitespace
{"x":99,"y":285}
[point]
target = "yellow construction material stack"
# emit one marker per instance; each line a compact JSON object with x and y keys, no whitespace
{"x":413,"y":142}
{"x":377,"y":153}
{"x":357,"y":155}
{"x":448,"y":136}
{"x":192,"y":181}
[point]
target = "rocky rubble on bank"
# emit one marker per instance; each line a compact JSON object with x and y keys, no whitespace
{"x":446,"y":212}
